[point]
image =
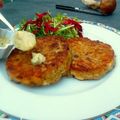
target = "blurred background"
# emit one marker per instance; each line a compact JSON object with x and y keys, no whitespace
{"x":19,"y":9}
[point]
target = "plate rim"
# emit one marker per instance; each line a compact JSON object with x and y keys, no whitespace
{"x":106,"y":27}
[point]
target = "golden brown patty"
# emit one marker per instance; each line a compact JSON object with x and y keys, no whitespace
{"x":90,"y":59}
{"x":57,"y":62}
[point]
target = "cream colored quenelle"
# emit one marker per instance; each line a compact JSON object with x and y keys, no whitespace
{"x":24,"y":40}
{"x":37,"y":58}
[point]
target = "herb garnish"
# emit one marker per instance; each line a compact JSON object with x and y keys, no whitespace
{"x":44,"y":24}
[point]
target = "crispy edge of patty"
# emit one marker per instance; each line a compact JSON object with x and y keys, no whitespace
{"x":90,"y":59}
{"x":58,"y":58}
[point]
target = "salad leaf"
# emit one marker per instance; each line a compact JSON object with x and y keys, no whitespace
{"x":44,"y":24}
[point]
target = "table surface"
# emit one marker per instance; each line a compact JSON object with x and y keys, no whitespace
{"x":19,"y":9}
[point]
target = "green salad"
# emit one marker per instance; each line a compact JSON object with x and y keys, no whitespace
{"x":44,"y":24}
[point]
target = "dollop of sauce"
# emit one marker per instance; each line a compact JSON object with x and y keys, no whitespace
{"x":3,"y":41}
{"x":24,"y":40}
{"x":37,"y":58}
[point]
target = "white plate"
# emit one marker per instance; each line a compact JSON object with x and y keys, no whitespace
{"x":69,"y":99}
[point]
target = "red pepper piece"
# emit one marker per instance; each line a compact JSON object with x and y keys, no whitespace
{"x":39,"y":23}
{"x":35,"y":32}
{"x":27,"y":23}
{"x":48,"y":27}
{"x":73,"y":22}
{"x":40,"y":16}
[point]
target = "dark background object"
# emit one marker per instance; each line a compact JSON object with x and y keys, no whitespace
{"x":76,"y":9}
{"x":19,"y":9}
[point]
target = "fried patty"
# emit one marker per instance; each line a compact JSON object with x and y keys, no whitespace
{"x":57,"y":62}
{"x":90,"y":59}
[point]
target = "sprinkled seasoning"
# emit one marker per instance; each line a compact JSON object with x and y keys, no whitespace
{"x":3,"y":41}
